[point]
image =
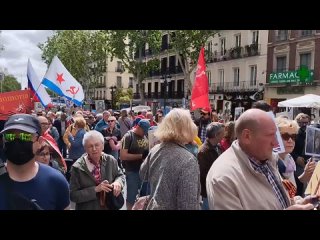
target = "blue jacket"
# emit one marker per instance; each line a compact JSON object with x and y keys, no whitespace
{"x":76,"y":150}
{"x":101,"y":125}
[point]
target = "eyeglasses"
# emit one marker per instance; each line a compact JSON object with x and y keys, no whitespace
{"x":110,"y":121}
{"x":25,"y":137}
{"x":287,"y":136}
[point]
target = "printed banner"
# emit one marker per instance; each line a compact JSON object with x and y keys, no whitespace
{"x":14,"y":102}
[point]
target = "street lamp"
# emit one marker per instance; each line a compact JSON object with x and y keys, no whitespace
{"x":113,"y":88}
{"x":165,"y":79}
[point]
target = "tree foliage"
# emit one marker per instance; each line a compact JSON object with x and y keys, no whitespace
{"x":123,"y":96}
{"x":129,"y":46}
{"x":83,"y":53}
{"x":187,"y":45}
{"x":10,"y":83}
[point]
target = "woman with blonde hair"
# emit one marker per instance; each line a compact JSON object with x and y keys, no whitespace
{"x":286,"y":164}
{"x":171,"y":170}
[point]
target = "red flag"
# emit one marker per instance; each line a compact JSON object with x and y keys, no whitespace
{"x":200,"y":90}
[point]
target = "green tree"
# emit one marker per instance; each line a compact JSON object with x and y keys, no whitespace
{"x":10,"y":83}
{"x":82,"y":52}
{"x":129,"y":46}
{"x":187,"y":45}
{"x":123,"y":96}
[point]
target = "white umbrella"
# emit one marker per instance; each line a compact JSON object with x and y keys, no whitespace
{"x":308,"y":100}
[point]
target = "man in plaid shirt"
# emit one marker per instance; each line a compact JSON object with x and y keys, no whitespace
{"x":202,"y":123}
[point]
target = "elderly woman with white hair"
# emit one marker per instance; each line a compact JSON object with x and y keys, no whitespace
{"x":172,"y":171}
{"x":94,"y":175}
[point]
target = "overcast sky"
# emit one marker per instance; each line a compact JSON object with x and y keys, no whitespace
{"x":19,"y":46}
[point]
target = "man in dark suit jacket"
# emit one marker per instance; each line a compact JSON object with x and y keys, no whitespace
{"x":208,"y":153}
{"x":61,"y":125}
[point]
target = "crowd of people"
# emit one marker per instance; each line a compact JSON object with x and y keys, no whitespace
{"x":52,"y":159}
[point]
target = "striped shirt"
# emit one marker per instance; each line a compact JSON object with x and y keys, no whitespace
{"x":266,"y":171}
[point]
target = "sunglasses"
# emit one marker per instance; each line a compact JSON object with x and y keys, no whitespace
{"x":25,"y":137}
{"x":287,"y":136}
{"x":110,"y":121}
{"x":303,"y":123}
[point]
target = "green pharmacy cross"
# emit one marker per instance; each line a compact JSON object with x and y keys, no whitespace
{"x":305,"y":74}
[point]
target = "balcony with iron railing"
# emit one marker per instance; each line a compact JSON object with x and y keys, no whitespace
{"x":160,"y":95}
{"x":234,"y":53}
{"x":170,"y":70}
{"x":233,"y":87}
{"x":253,"y":49}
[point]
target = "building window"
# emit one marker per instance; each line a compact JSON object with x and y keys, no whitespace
{"x":104,"y":94}
{"x":236,"y":77}
{"x":100,"y":80}
{"x":143,"y":87}
{"x":281,"y":64}
{"x":119,"y":82}
{"x":119,"y":66}
{"x":255,"y":37}
{"x":164,"y":43}
{"x":221,"y":78}
{"x":209,"y":77}
{"x":253,"y":75}
{"x":238,"y":40}
{"x":222,"y":46}
{"x":104,"y":80}
{"x":305,"y":60}
{"x":156,"y":88}
{"x":209,"y":49}
{"x":100,"y":94}
{"x":137,"y":88}
{"x":130,"y":82}
{"x":282,"y":35}
{"x":149,"y":89}
{"x":305,"y":33}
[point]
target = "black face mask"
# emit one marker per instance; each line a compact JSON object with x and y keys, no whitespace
{"x":18,"y":152}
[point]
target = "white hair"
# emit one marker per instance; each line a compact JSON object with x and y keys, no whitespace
{"x":92,"y":134}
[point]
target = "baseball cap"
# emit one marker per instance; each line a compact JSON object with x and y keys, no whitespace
{"x":205,"y":110}
{"x":145,"y":125}
{"x":23,"y":122}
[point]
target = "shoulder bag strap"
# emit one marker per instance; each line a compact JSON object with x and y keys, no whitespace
{"x":126,"y":123}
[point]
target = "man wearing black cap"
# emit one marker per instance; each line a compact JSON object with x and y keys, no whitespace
{"x":29,"y":185}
